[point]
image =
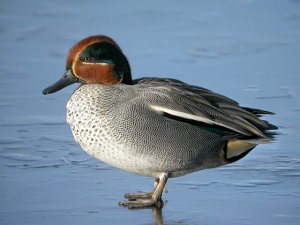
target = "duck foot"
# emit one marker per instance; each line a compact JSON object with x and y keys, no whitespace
{"x":141,"y":203}
{"x":139,"y":195}
{"x":146,"y":199}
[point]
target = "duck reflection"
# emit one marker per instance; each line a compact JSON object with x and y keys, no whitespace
{"x":156,"y":212}
{"x":158,"y":215}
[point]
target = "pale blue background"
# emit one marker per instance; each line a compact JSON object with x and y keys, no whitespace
{"x":246,"y":49}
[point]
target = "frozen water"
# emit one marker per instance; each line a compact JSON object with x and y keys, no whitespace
{"x":245,"y":49}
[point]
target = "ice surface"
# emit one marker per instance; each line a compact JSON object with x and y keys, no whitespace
{"x":245,"y":49}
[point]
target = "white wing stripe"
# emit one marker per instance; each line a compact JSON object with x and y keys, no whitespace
{"x":182,"y":114}
{"x":197,"y":118}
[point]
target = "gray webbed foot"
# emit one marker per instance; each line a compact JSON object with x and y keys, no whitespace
{"x":146,"y":199}
{"x":139,"y":195}
{"x":141,"y":203}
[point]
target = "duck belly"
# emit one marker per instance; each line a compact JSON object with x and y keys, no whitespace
{"x":176,"y":150}
{"x":133,"y":138}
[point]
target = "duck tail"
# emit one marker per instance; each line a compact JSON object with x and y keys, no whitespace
{"x":239,"y":146}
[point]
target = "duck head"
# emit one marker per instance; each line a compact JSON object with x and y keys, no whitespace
{"x":94,"y":60}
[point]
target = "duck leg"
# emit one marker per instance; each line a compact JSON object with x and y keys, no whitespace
{"x":146,"y":199}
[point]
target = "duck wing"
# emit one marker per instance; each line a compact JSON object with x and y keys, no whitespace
{"x":199,"y":106}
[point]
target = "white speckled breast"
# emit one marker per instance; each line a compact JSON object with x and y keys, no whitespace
{"x":114,"y":124}
{"x":88,"y":114}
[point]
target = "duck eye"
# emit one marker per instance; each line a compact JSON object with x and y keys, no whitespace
{"x":86,"y":59}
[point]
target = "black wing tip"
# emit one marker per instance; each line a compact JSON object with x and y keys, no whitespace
{"x":258,"y":111}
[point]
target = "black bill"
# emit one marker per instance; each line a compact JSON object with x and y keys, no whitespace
{"x":67,"y":79}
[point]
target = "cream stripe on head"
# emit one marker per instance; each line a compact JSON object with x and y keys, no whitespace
{"x":95,"y":63}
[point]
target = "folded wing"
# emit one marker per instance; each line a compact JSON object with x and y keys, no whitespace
{"x":202,"y":107}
